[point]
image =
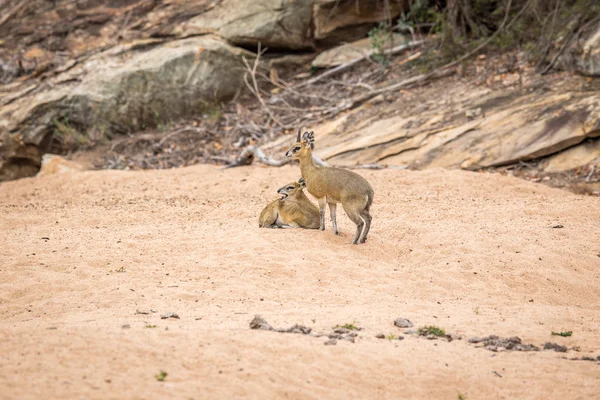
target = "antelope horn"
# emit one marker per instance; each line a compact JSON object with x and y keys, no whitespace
{"x":299,"y":134}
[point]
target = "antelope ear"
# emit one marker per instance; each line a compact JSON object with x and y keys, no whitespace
{"x":302,"y":182}
{"x":299,"y":133}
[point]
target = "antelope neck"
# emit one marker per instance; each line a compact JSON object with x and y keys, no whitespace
{"x":306,"y":163}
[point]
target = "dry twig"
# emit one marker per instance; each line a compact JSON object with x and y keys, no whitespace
{"x":10,"y":13}
{"x":587,"y":178}
{"x":176,"y":132}
{"x":254,"y":88}
{"x":251,"y":153}
{"x":347,"y":65}
{"x":377,"y":166}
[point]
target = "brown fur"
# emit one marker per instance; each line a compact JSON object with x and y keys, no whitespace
{"x":335,"y":185}
{"x":295,"y":210}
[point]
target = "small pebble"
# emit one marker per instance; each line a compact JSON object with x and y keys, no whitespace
{"x":169,"y":315}
{"x":403,"y":323}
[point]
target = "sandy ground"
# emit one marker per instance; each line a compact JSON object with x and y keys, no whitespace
{"x":474,"y":254}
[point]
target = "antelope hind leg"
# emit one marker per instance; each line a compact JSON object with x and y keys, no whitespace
{"x":367,"y":218}
{"x":355,"y":217}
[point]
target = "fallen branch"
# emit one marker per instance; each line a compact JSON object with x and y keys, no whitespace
{"x":406,"y":83}
{"x":176,"y":132}
{"x":221,"y":159}
{"x":347,"y":65}
{"x":587,"y":179}
{"x":251,"y":153}
{"x":281,"y":84}
{"x":10,"y":13}
{"x":377,"y":166}
{"x":131,"y":140}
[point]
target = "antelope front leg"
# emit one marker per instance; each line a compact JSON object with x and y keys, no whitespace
{"x":322,"y":206}
{"x":332,"y":209}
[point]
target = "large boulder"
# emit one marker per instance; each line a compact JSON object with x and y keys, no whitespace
{"x":38,"y":36}
{"x":347,"y":20}
{"x":273,"y":23}
{"x":125,"y":89}
{"x":287,"y":24}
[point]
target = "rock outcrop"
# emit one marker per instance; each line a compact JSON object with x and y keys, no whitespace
{"x":483,"y":129}
{"x":38,"y":37}
{"x":273,"y":23}
{"x":348,"y":20}
{"x":290,"y":24}
{"x":586,"y":153}
{"x":523,"y":128}
{"x":94,"y":69}
{"x":125,"y":89}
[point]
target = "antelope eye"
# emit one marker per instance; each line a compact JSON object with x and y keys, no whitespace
{"x":289,"y":187}
{"x":296,"y":148}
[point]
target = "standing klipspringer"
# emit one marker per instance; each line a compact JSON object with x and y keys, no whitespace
{"x":334,"y":185}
